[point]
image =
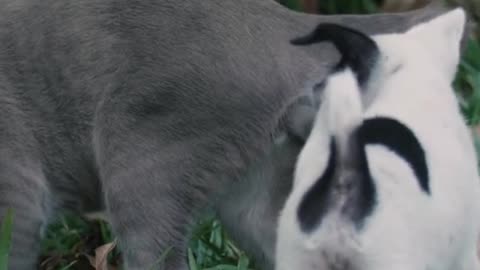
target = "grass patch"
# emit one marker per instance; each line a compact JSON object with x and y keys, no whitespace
{"x":5,"y":239}
{"x":336,"y":6}
{"x":468,"y":82}
{"x":347,"y":6}
{"x":70,"y":241}
{"x":210,"y":248}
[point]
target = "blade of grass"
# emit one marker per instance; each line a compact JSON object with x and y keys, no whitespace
{"x":243,"y":262}
{"x":5,"y":239}
{"x":162,"y":258}
{"x":191,"y":260}
{"x":70,"y":265}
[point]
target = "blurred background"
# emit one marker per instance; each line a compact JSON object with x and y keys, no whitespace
{"x":367,"y":6}
{"x":371,"y":6}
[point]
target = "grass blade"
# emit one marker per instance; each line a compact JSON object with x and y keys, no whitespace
{"x":5,"y":239}
{"x":191,"y":260}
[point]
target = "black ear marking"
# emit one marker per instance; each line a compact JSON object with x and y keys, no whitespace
{"x":314,"y":204}
{"x":355,"y":184}
{"x":399,"y":139}
{"x":358,"y":50}
{"x":350,"y":182}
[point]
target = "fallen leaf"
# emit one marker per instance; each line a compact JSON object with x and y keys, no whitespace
{"x":100,"y":261}
{"x":98,"y":215}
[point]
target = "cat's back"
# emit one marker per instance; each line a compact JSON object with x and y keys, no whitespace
{"x":65,"y":64}
{"x":67,"y":57}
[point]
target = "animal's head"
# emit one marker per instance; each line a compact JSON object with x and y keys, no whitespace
{"x":334,"y":201}
{"x":432,"y":46}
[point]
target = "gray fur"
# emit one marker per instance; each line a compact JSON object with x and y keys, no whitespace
{"x":250,"y":208}
{"x":152,"y":107}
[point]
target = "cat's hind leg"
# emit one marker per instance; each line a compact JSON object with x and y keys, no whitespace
{"x":23,"y":190}
{"x":23,"y":184}
{"x":154,"y":189}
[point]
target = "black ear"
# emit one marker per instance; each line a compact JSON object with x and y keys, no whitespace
{"x":358,"y":51}
{"x":401,"y":140}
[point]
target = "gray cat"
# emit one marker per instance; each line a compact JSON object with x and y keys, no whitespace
{"x":151,"y":109}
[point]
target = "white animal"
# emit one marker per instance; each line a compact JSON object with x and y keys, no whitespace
{"x":392,"y":183}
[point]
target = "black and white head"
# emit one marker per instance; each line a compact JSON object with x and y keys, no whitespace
{"x":388,"y":182}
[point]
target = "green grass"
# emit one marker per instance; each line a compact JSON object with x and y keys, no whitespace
{"x":5,"y":238}
{"x":292,"y":4}
{"x":72,"y":238}
{"x":337,"y":6}
{"x":468,"y":83}
{"x":347,"y":7}
{"x":210,"y":248}
{"x":68,"y":240}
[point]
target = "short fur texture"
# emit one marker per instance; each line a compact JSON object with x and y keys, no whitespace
{"x":149,"y":108}
{"x":409,"y":228}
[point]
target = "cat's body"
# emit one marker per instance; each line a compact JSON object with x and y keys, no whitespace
{"x":152,"y":107}
{"x":399,"y":188}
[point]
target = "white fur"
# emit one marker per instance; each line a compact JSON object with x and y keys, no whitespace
{"x":340,"y":92}
{"x":409,"y":229}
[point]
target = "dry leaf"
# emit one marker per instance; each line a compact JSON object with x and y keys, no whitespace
{"x":98,"y":215}
{"x":100,"y":261}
